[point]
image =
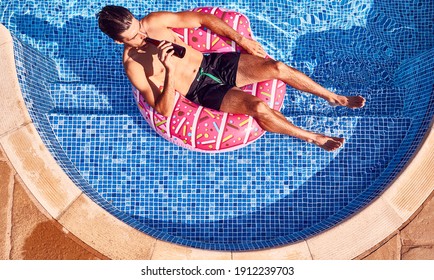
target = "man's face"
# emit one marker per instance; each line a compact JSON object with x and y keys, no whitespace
{"x":133,"y":36}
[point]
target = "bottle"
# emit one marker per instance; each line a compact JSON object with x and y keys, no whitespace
{"x":178,"y":50}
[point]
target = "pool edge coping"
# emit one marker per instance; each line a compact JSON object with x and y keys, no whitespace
{"x":68,"y":205}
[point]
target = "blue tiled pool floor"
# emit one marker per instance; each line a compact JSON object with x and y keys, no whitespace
{"x":275,"y":191}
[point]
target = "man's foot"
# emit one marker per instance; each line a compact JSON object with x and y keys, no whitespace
{"x":351,"y":102}
{"x":328,"y":143}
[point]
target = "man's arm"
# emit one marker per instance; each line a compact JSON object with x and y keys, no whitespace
{"x":194,"y":19}
{"x":162,"y":101}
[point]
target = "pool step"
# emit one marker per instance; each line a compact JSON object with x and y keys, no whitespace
{"x":103,"y":67}
{"x":379,"y":102}
{"x":108,"y":123}
{"x":81,"y":98}
{"x":72,"y":97}
{"x":90,"y":139}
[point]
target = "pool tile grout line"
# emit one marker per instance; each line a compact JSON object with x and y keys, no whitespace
{"x":14,"y":129}
{"x":67,"y":207}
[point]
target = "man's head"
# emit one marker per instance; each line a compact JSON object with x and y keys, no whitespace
{"x":120,"y":25}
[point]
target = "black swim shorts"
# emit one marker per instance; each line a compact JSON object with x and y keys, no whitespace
{"x":216,"y":76}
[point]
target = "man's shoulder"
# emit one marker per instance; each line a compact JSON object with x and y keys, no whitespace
{"x":152,"y":17}
{"x":158,"y":19}
{"x":128,"y":55}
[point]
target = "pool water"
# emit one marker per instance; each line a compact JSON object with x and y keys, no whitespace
{"x":276,"y":191}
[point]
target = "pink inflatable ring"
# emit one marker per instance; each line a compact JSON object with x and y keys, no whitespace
{"x":202,"y":129}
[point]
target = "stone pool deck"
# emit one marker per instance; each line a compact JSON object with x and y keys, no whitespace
{"x":26,"y":233}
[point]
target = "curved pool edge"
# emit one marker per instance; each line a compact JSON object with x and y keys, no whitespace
{"x":65,"y":202}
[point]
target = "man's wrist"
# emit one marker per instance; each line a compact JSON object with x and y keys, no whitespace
{"x":240,"y":39}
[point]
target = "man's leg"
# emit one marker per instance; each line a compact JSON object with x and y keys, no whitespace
{"x":253,"y":69}
{"x":237,"y":101}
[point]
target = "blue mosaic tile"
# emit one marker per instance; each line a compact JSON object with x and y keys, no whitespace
{"x":275,"y":191}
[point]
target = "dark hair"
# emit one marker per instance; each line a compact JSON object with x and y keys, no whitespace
{"x":114,"y":20}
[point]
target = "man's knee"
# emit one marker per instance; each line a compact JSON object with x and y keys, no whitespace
{"x":259,"y":108}
{"x":280,"y":69}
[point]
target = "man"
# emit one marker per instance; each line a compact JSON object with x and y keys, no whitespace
{"x":148,"y":67}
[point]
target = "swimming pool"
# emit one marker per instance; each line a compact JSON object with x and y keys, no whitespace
{"x":273,"y":192}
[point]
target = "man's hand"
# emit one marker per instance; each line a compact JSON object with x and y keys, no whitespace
{"x":252,"y":47}
{"x":165,"y":53}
